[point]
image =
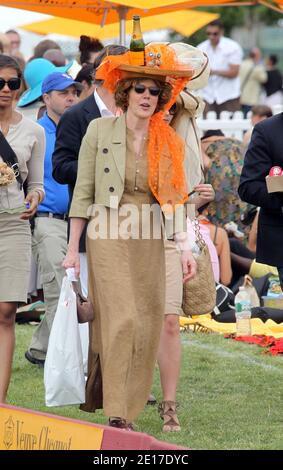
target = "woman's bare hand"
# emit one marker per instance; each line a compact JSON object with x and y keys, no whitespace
{"x":205,"y":194}
{"x":31,"y":201}
{"x":72,"y":260}
{"x":189,"y":265}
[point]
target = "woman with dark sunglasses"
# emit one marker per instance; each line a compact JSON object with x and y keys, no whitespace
{"x":127,"y":166}
{"x":26,"y":139}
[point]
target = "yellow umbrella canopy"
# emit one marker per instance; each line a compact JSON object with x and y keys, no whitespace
{"x":185,"y":22}
{"x":100,"y":11}
{"x":104,"y":12}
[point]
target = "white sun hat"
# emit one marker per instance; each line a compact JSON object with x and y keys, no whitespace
{"x":199,"y":61}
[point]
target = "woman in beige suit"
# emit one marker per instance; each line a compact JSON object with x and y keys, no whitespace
{"x":26,"y":139}
{"x":126,"y":166}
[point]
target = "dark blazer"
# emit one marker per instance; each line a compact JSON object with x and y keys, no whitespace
{"x":265,"y":150}
{"x":69,"y":134}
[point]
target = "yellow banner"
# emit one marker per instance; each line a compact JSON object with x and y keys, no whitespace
{"x":28,"y":430}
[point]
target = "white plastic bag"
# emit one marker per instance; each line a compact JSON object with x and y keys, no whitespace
{"x":84,"y":336}
{"x":83,"y":327}
{"x":63,"y":371}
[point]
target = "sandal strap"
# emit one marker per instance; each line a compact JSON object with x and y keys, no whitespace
{"x":167,"y":407}
{"x":168,"y":412}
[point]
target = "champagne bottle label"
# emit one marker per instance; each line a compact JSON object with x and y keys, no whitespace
{"x":136,"y":58}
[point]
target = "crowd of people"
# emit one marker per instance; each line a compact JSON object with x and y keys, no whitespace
{"x":99,"y":133}
{"x":238,"y":83}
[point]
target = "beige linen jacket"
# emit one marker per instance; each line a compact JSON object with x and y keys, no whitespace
{"x":101,"y":167}
{"x":101,"y":172}
{"x":252,"y":77}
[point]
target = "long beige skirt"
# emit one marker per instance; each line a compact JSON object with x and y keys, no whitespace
{"x":15,"y":258}
{"x":127,"y":288}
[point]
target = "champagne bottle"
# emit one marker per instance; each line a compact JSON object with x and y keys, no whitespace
{"x":137,"y":46}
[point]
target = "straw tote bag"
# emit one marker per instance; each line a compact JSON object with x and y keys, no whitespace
{"x":199,"y":293}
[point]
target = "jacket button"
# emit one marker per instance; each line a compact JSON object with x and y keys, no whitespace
{"x":111,"y":189}
{"x":105,"y":150}
{"x":106,"y":170}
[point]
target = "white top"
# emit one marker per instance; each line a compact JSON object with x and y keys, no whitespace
{"x":221,"y":89}
{"x":104,"y":111}
{"x":27,"y":139}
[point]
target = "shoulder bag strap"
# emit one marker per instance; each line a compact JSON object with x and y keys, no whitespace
{"x":8,"y":155}
{"x":199,"y":238}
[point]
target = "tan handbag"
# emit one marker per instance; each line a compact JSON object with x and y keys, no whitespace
{"x":199,"y":293}
{"x":84,"y":306}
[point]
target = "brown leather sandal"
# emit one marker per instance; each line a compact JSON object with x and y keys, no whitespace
{"x":168,"y":412}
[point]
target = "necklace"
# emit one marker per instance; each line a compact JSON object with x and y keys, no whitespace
{"x":5,"y":128}
{"x":5,"y":125}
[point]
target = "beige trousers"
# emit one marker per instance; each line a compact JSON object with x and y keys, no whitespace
{"x":49,"y":247}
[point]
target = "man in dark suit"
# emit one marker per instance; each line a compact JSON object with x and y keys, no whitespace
{"x":73,"y":125}
{"x":264,"y":152}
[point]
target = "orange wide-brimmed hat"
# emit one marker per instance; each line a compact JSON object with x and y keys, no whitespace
{"x":160,"y":63}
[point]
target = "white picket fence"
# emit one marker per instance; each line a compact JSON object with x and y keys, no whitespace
{"x":231,"y":124}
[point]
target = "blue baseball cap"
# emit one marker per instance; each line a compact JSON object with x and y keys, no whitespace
{"x":35,"y":72}
{"x":58,"y":81}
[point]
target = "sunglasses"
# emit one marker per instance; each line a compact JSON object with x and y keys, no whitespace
{"x":212,"y":34}
{"x":13,"y":83}
{"x":140,"y":89}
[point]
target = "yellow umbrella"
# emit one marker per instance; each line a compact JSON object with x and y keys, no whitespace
{"x":101,"y":11}
{"x":104,"y":12}
{"x":185,"y":22}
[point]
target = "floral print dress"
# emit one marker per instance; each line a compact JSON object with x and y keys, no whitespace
{"x":224,"y":175}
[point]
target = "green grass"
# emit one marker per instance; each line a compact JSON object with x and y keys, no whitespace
{"x":230,"y":394}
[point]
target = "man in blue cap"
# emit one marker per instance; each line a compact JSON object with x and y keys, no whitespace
{"x":35,"y":72}
{"x":59,"y":93}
